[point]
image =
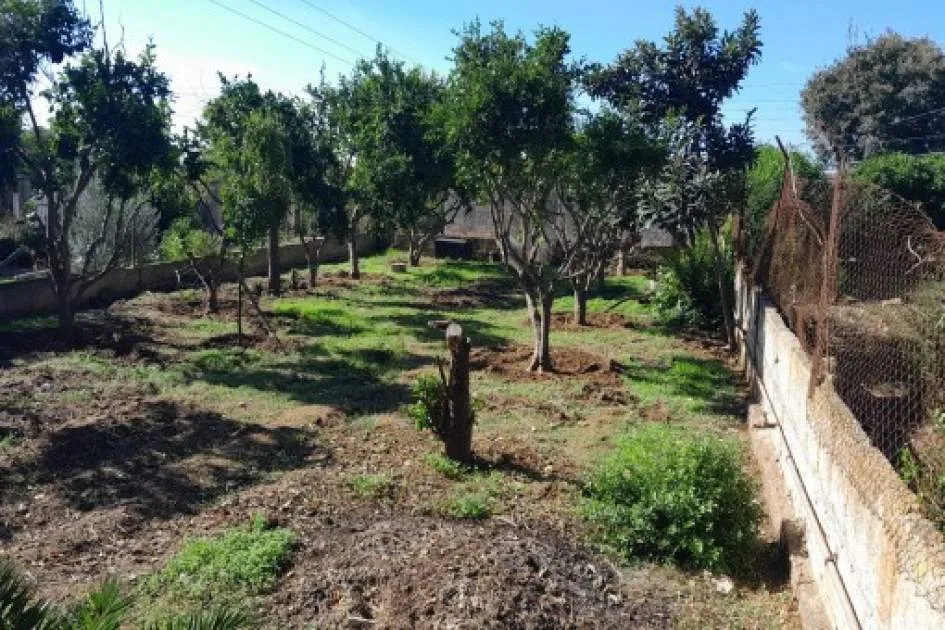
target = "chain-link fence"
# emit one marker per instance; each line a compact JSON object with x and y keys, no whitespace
{"x":859,"y":276}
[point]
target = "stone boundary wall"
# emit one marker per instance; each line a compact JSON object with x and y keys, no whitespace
{"x":31,"y":297}
{"x":877,"y":561}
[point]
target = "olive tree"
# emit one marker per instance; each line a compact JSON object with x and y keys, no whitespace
{"x":109,"y":122}
{"x":508,"y":114}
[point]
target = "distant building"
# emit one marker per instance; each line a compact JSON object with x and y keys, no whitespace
{"x":13,"y":200}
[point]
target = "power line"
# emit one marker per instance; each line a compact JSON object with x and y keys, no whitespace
{"x":359,"y":31}
{"x":281,"y":32}
{"x":307,"y":28}
{"x":923,"y":115}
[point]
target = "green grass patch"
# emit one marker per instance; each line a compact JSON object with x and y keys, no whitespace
{"x":666,"y":494}
{"x":371,"y":485}
{"x":223,"y":360}
{"x":239,"y":562}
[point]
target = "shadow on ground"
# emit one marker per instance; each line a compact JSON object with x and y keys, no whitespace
{"x":708,"y":382}
{"x":158,"y":459}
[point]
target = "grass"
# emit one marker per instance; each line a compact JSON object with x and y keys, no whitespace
{"x":371,"y":486}
{"x":237,"y":563}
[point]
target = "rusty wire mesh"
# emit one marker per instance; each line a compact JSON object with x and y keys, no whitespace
{"x":867,"y":301}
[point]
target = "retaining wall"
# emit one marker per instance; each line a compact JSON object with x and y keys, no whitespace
{"x":877,"y":561}
{"x":24,"y":298}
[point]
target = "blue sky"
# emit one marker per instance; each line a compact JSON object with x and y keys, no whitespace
{"x":197,"y":38}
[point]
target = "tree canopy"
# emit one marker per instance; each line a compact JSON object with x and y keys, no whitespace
{"x":885,"y":95}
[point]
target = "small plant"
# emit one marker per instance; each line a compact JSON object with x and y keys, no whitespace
{"x":667,"y":495}
{"x":480,"y":496}
{"x":467,"y":505}
{"x":687,"y":286}
{"x":240,"y":561}
{"x":449,"y":468}
{"x":222,"y":361}
{"x":371,"y":486}
{"x":429,"y":394}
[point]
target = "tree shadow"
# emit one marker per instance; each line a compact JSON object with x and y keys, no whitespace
{"x":159,"y":460}
{"x":709,"y":382}
{"x":418,"y":326}
{"x":350,"y":379}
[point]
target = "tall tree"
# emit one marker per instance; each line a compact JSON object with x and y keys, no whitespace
{"x":887,"y":94}
{"x":508,"y":115}
{"x":110,"y":120}
{"x":684,"y":83}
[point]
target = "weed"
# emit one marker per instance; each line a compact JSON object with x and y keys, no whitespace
{"x":240,"y":561}
{"x":667,"y":495}
{"x":428,"y":393}
{"x":449,"y":468}
{"x":480,"y":496}
{"x":371,"y":486}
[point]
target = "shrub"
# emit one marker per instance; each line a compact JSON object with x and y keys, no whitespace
{"x":185,"y":238}
{"x":687,"y":288}
{"x":241,"y":560}
{"x":916,"y":178}
{"x":763,"y":186}
{"x":428,"y":394}
{"x":668,"y":496}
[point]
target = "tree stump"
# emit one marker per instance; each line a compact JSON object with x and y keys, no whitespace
{"x":457,"y":413}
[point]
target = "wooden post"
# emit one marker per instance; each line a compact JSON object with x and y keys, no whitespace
{"x":458,"y":434}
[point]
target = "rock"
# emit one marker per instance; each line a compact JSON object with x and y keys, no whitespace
{"x":724,"y":585}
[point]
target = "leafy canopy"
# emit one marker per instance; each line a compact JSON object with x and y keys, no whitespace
{"x":882,"y":96}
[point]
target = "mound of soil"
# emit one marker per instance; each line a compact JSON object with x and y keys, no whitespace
{"x":594,"y":320}
{"x":512,"y":361}
{"x":421,"y":572}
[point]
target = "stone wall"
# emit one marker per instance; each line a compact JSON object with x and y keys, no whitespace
{"x":877,"y":561}
{"x":34,"y":296}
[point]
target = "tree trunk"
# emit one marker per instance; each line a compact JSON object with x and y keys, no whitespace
{"x":725,"y":303}
{"x":458,"y":437}
{"x":65,"y":313}
{"x":413,"y":254}
{"x":275,"y":270}
{"x":213,"y":302}
{"x":544,"y":351}
{"x":539,"y":307}
{"x":353,"y":252}
{"x":580,"y":306}
{"x":622,"y":261}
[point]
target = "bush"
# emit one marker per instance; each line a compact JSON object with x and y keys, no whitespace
{"x":916,"y":178}
{"x":239,"y":561}
{"x":185,"y":238}
{"x":763,"y":186}
{"x":666,"y":495}
{"x":447,"y":467}
{"x":687,"y":288}
{"x":428,"y":394}
{"x":371,"y":486}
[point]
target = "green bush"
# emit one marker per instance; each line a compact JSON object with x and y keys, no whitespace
{"x":428,"y":395}
{"x":185,"y":238}
{"x":763,"y":186}
{"x":916,"y":178}
{"x":371,"y":486}
{"x":687,"y":288}
{"x":449,"y":468}
{"x":239,"y":561}
{"x":667,"y":495}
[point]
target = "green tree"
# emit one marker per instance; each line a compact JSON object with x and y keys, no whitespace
{"x":508,"y":113}
{"x":403,"y":174}
{"x":684,"y":83}
{"x":886,"y":94}
{"x":109,"y":120}
{"x":598,"y":190}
